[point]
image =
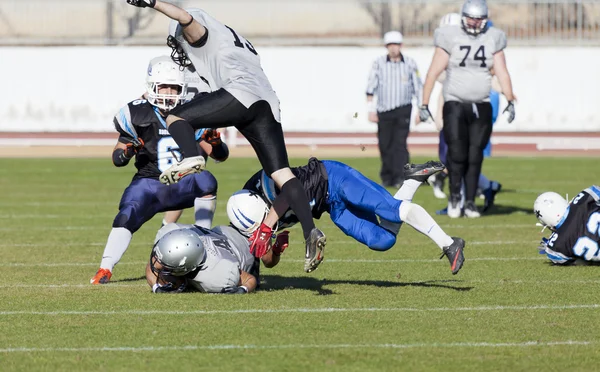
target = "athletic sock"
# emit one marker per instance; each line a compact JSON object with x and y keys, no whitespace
{"x":204,"y":211}
{"x":116,"y":245}
{"x":295,"y":195}
{"x":420,"y":220}
{"x":183,"y":133}
{"x":408,"y":190}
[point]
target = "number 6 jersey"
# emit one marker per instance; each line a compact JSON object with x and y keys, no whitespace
{"x":468,"y":76}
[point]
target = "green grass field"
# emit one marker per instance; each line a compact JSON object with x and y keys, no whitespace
{"x":508,"y":309}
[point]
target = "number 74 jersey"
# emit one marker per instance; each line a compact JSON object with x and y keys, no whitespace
{"x":577,"y":235}
{"x":227,"y":60}
{"x":468,"y":76}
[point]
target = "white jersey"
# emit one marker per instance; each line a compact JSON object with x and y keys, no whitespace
{"x":468,"y":76}
{"x":228,"y":61}
{"x":221,"y":269}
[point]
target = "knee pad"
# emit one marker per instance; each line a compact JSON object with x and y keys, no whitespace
{"x":126,"y":218}
{"x":206,"y":182}
{"x":382,"y":241}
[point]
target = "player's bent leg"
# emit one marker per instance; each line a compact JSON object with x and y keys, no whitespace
{"x":417,"y":217}
{"x":186,"y":193}
{"x":363,"y":228}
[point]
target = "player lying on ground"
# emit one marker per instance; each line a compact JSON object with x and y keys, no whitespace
{"x":143,"y":134}
{"x":355,"y":203}
{"x":188,"y":257}
{"x":241,"y":96}
{"x":575,"y":226}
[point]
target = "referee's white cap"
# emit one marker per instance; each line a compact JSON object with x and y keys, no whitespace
{"x":392,"y":37}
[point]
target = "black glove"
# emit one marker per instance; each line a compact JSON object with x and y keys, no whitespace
{"x":234,"y":290}
{"x":425,"y":114}
{"x":510,"y":109}
{"x":168,"y":288}
{"x":142,"y":3}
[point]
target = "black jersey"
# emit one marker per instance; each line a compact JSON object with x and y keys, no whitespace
{"x":577,"y":235}
{"x":139,"y":119}
{"x":313,"y":177}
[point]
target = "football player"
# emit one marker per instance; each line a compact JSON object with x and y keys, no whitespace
{"x":470,"y":54}
{"x":360,"y":207}
{"x":575,"y":226}
{"x":241,"y":96}
{"x":143,"y":135}
{"x":190,"y":257}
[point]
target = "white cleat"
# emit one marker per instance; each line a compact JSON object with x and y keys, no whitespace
{"x":177,"y":171}
{"x":454,"y":210}
{"x":471,"y":210}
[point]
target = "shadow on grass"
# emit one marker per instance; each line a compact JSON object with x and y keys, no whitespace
{"x":498,"y":209}
{"x":277,"y":283}
{"x":125,"y":280}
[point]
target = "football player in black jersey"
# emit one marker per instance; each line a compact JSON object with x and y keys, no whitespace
{"x":143,"y":134}
{"x":575,"y":226}
{"x":360,"y":207}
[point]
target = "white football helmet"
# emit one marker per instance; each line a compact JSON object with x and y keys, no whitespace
{"x":450,"y":19}
{"x":474,"y":11}
{"x":246,"y":211}
{"x":179,"y":252}
{"x":549,"y":208}
{"x":162,"y":71}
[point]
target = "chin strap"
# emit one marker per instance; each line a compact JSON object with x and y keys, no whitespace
{"x":543,"y":226}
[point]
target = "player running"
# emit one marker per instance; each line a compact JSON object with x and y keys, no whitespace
{"x":574,"y":226}
{"x":355,"y":203}
{"x":143,"y":135}
{"x":470,"y":54}
{"x":241,"y":96}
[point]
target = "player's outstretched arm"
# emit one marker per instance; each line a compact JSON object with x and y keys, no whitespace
{"x":246,"y":284}
{"x":439,"y":63}
{"x":192,"y":30}
{"x":123,"y":152}
{"x":504,"y":79}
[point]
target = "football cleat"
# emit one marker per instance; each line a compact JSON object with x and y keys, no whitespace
{"x":490,"y":195}
{"x":471,"y":210}
{"x":315,"y":246}
{"x":421,"y":172}
{"x":454,"y":252}
{"x":101,"y":277}
{"x":454,"y":210}
{"x":436,"y":182}
{"x":177,"y":171}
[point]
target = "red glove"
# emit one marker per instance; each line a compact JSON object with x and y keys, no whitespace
{"x":281,"y":243}
{"x":260,"y":241}
{"x":212,"y":136}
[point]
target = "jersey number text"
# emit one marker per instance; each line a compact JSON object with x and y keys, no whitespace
{"x":479,"y":55}
{"x":586,"y":247}
{"x":238,"y":42}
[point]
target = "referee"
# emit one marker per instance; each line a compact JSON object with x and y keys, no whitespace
{"x":394,"y":79}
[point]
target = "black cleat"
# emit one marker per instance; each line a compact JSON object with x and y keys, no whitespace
{"x":454,"y":252}
{"x":421,"y":172}
{"x":315,"y":245}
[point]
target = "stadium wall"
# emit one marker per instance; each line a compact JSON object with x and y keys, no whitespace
{"x":79,"y":89}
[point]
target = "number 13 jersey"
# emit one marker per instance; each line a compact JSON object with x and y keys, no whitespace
{"x":468,"y":76}
{"x":227,"y":60}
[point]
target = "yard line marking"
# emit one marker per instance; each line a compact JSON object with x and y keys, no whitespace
{"x":301,"y":310}
{"x":297,"y":346}
{"x":330,"y":260}
{"x":87,"y":285}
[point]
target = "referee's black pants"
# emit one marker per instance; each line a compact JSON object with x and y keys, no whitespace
{"x":392,"y":133}
{"x":467,"y":130}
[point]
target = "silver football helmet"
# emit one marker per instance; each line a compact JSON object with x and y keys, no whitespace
{"x":179,"y":252}
{"x":474,"y":16}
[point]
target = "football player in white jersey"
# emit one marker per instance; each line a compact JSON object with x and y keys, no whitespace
{"x":212,"y":261}
{"x":241,"y":96}
{"x":470,"y":53}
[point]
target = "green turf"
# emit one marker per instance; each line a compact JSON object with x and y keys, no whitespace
{"x":362,"y":310}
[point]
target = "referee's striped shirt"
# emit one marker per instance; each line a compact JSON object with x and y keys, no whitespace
{"x":394,"y":83}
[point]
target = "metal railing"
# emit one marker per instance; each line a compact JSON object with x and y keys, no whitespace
{"x":285,"y":22}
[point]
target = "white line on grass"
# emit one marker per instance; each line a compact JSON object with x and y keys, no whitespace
{"x":297,"y":346}
{"x":303,"y":310}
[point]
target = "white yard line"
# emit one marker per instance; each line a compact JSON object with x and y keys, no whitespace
{"x":297,"y":346}
{"x":303,"y":310}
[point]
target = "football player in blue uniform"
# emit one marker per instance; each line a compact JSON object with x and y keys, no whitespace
{"x":143,"y":134}
{"x":575,"y":226}
{"x":360,"y":207}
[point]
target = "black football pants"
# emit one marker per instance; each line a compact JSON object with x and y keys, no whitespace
{"x":392,"y":134}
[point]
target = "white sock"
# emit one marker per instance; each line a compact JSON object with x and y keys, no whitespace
{"x":408,"y":190}
{"x":204,"y":211}
{"x":420,"y":220}
{"x":116,"y":245}
{"x":484,"y":182}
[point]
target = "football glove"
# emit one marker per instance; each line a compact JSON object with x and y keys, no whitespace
{"x":235,"y":290}
{"x":212,"y":136}
{"x":260,"y":241}
{"x":281,"y":243}
{"x":543,"y":245}
{"x":425,"y":114}
{"x":133,"y":147}
{"x":142,"y":3}
{"x":168,"y":288}
{"x":510,"y":112}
